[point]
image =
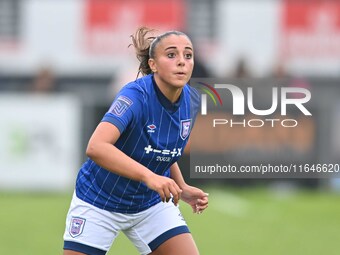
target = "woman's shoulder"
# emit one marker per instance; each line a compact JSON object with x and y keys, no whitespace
{"x":142,"y":84}
{"x":137,"y":89}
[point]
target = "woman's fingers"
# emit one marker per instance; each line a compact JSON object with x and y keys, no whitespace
{"x":166,"y":188}
{"x":175,"y":192}
{"x":166,"y":192}
{"x":201,"y":204}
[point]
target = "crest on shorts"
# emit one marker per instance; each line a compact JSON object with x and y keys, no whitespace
{"x":120,"y":105}
{"x":76,"y":226}
{"x":185,"y":128}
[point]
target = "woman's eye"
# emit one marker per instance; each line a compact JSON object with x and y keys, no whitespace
{"x":188,"y":55}
{"x":171,"y":55}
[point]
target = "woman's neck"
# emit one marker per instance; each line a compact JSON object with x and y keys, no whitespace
{"x":170,"y":92}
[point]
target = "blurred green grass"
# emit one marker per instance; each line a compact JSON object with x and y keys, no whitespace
{"x":238,"y":222}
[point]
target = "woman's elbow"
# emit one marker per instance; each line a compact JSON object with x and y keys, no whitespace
{"x":91,"y":150}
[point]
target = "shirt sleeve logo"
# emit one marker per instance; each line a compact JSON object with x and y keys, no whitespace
{"x":185,"y":128}
{"x":120,"y":105}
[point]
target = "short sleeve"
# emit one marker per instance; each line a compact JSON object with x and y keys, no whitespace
{"x":125,"y":109}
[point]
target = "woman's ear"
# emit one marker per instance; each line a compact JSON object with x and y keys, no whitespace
{"x":152,"y":65}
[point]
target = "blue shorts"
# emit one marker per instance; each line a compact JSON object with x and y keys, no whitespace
{"x":92,"y":230}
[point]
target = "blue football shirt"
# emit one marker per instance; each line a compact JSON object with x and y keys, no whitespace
{"x":154,"y":132}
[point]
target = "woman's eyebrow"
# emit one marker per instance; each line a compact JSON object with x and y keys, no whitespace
{"x":174,"y":47}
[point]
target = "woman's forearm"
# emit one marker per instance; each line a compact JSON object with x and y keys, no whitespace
{"x":114,"y":160}
{"x":176,"y":175}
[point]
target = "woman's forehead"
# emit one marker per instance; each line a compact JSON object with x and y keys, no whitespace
{"x":175,"y":41}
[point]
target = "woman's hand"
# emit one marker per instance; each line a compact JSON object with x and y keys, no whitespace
{"x":164,"y":186}
{"x":195,"y":197}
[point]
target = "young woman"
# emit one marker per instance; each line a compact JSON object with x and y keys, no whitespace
{"x":131,"y":181}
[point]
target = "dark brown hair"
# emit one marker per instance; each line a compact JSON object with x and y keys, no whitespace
{"x":145,"y":45}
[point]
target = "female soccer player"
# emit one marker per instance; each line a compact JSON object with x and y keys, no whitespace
{"x":131,"y":181}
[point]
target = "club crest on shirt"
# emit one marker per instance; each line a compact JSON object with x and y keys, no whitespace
{"x":120,"y":105}
{"x":185,"y":128}
{"x":76,"y":226}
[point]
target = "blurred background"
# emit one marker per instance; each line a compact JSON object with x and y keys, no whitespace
{"x":62,"y":62}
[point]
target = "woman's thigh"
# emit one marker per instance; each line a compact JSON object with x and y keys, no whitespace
{"x":69,"y":252}
{"x":182,"y":244}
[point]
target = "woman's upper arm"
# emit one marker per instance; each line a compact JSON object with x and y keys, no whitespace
{"x":104,"y":133}
{"x":124,"y":111}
